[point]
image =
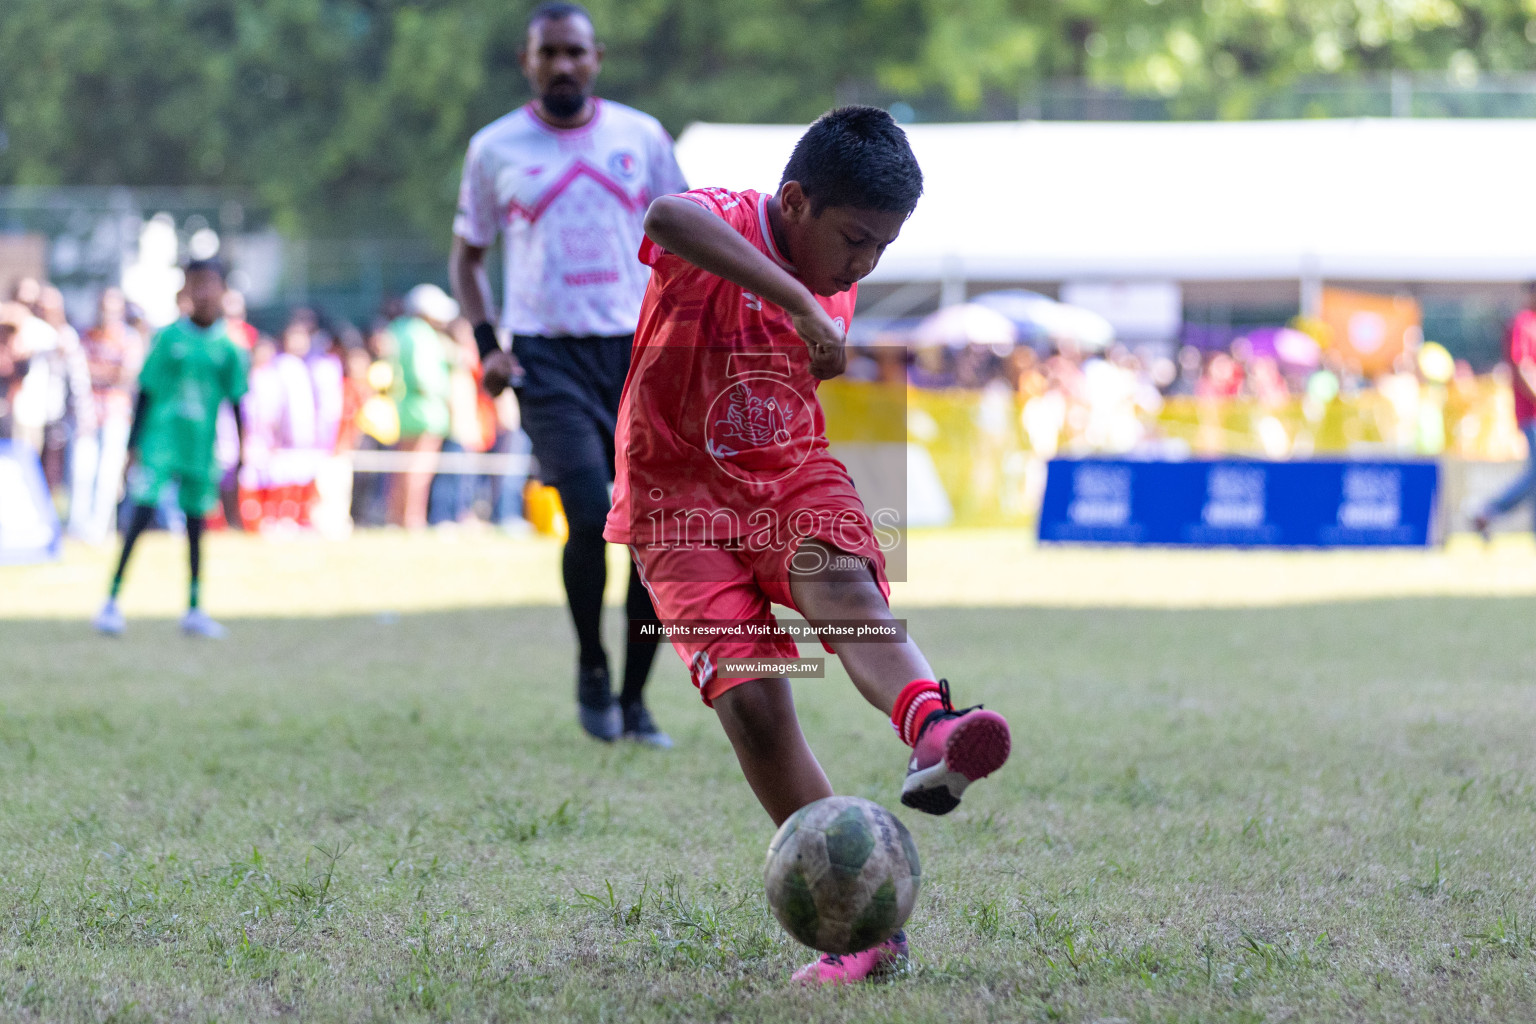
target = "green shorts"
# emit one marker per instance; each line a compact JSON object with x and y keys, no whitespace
{"x":195,"y":495}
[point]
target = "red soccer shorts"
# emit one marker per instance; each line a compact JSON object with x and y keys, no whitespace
{"x":714,"y":584}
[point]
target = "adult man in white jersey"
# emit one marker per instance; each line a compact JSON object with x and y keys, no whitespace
{"x":566,"y":180}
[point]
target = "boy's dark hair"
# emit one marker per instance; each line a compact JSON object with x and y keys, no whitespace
{"x":555,"y":10}
{"x":213,"y":264}
{"x":856,"y":156}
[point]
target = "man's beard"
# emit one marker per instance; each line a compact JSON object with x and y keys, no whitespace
{"x":563,"y":104}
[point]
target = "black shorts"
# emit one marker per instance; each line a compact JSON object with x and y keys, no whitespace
{"x":569,"y":400}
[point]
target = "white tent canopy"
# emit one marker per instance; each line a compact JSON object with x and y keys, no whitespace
{"x":1390,"y":200}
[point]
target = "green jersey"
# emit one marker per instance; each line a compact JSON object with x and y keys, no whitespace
{"x":422,"y":378}
{"x":188,"y":373}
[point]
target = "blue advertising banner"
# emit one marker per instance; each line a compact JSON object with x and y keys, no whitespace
{"x":29,"y":528}
{"x":1240,"y":503}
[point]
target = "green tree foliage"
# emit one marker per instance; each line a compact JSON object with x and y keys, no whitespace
{"x":334,"y":115}
{"x":1225,"y":48}
{"x":352,"y":115}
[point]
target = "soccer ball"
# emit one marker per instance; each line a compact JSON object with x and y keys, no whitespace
{"x":842,"y":874}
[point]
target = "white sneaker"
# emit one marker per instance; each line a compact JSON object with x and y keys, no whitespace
{"x":197,"y":623}
{"x":110,"y":619}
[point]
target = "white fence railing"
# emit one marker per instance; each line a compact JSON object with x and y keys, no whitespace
{"x":472,"y":463}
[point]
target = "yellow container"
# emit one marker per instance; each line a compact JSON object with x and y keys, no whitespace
{"x":542,"y":508}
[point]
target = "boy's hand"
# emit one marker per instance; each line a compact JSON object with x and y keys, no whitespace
{"x":823,"y":339}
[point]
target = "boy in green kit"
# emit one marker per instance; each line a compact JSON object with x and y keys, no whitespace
{"x":193,"y":367}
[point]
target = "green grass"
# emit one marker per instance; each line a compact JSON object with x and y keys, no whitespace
{"x":1309,"y":801}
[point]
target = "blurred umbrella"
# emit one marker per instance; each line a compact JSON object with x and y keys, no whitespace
{"x":1286,"y":346}
{"x":965,"y":324}
{"x":1039,"y":318}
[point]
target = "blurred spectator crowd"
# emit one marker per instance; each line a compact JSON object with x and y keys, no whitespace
{"x":319,"y":392}
{"x":1241,"y":398}
{"x":322,"y":392}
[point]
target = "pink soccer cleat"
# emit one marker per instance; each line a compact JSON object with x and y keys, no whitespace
{"x":874,"y":964}
{"x":954,"y":749}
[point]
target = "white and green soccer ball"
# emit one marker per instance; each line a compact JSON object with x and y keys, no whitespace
{"x":842,"y":874}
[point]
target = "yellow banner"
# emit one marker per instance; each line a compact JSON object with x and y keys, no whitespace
{"x":988,"y":448}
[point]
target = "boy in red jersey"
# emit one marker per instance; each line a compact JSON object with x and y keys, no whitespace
{"x":726,"y":493}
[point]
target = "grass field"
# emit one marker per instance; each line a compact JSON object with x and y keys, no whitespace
{"x":1246,"y":787}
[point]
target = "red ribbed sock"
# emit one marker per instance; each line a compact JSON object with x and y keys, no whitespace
{"x":917,"y":700}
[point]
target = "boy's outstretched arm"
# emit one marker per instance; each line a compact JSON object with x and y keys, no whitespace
{"x":136,"y":425}
{"x":687,"y":230}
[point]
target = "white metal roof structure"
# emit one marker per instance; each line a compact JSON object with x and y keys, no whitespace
{"x":1363,"y":199}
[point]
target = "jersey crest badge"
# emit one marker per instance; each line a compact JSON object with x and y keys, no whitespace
{"x":624,"y":163}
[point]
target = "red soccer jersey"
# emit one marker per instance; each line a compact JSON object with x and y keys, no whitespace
{"x":720,"y":436}
{"x":1522,"y":350}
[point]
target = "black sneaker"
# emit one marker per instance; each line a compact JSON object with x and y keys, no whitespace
{"x":596,"y":709}
{"x":639,"y":727}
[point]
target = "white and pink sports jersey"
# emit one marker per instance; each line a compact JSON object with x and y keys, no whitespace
{"x":570,"y":203}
